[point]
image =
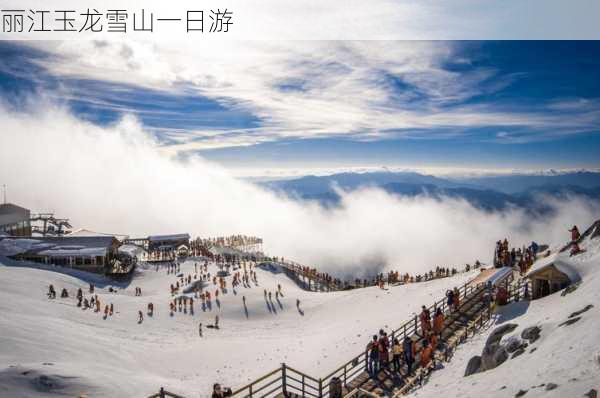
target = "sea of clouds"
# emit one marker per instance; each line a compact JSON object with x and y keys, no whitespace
{"x":117,"y":179}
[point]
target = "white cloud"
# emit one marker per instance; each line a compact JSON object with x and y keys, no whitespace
{"x":116,"y":179}
{"x":315,"y":89}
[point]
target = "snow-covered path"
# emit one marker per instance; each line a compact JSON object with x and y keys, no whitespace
{"x":118,"y":357}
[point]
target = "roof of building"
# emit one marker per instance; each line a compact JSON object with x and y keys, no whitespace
{"x":9,"y":208}
{"x":130,"y":250}
{"x":57,"y":246}
{"x":500,"y":275}
{"x":225,"y":250}
{"x":163,"y":238}
{"x":560,"y":265}
{"x":86,"y":232}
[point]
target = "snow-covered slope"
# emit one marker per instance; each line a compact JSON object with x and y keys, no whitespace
{"x":566,"y":355}
{"x":52,"y":345}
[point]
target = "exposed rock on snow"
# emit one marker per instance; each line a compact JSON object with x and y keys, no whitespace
{"x":493,"y":356}
{"x":499,"y":332}
{"x":531,"y":333}
{"x":34,"y":383}
{"x":513,"y":343}
{"x":473,"y":366}
{"x":570,"y":289}
{"x":592,"y":393}
{"x":577,"y":313}
{"x":570,"y":321}
{"x":551,"y":386}
{"x":519,"y":351}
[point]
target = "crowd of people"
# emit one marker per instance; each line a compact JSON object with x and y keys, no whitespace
{"x":391,"y":277}
{"x":203,"y":287}
{"x":522,"y":258}
{"x":83,"y":302}
{"x":418,"y":351}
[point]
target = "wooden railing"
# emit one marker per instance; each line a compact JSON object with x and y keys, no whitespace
{"x":520,"y":290}
{"x":318,"y":282}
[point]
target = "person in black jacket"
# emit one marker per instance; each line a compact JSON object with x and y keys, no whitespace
{"x":220,"y":392}
{"x":408,"y":349}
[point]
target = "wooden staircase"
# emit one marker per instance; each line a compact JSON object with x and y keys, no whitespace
{"x":390,"y":383}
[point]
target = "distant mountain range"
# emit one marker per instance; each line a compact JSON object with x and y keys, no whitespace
{"x":489,"y":193}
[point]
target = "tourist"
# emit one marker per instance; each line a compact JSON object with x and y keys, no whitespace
{"x":396,"y":353}
{"x":456,"y":298}
{"x":51,"y":292}
{"x":219,"y":392}
{"x":373,"y":349}
{"x":426,"y":354}
{"x":575,"y":235}
{"x":408,"y":348}
{"x":383,"y":349}
{"x":450,"y":299}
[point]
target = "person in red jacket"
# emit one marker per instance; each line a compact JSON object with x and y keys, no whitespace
{"x":383,"y":349}
{"x":575,"y":235}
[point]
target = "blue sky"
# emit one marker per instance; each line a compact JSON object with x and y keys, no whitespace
{"x":491,"y":104}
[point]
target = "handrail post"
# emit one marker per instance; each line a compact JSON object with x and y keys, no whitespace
{"x":345,"y":376}
{"x":303,"y":382}
{"x":320,"y":388}
{"x":283,"y":379}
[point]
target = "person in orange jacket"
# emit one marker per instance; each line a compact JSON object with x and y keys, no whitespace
{"x":426,"y":354}
{"x":433,"y":340}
